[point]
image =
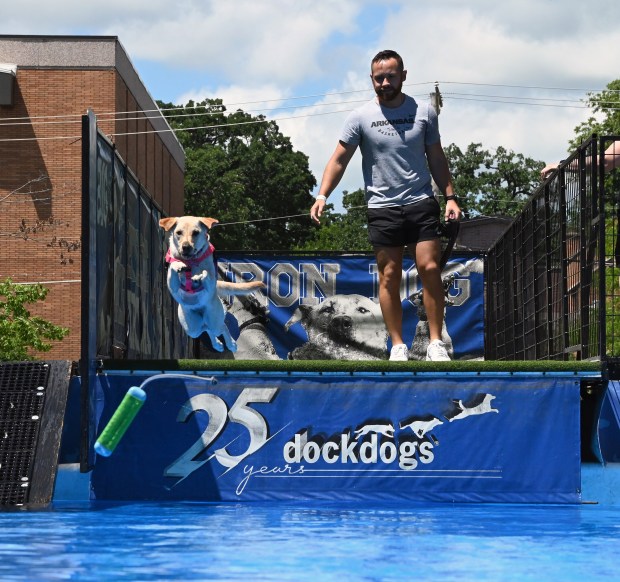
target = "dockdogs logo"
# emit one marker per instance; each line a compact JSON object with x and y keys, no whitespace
{"x":371,"y":444}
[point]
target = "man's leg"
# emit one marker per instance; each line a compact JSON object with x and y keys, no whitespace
{"x":427,"y":258}
{"x":390,"y":265}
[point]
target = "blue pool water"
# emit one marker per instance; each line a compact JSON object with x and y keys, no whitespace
{"x":326,"y":541}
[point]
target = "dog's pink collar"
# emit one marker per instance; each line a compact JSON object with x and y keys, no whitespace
{"x":193,"y":260}
{"x":190,"y":263}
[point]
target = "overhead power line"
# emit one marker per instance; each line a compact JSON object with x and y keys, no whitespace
{"x":281,"y":105}
{"x":279,"y":100}
{"x":541,"y":87}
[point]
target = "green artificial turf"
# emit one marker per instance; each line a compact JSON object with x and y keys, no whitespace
{"x":340,"y":366}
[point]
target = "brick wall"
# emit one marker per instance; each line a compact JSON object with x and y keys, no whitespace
{"x":41,"y":179}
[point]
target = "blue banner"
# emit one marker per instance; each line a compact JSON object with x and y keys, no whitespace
{"x":327,"y":308}
{"x":342,"y":437}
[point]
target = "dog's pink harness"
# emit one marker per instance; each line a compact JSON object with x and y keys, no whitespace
{"x":191,"y":262}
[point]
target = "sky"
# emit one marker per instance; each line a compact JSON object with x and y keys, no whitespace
{"x":512,"y":73}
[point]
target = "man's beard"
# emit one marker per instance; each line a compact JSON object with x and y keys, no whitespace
{"x":389,"y":94}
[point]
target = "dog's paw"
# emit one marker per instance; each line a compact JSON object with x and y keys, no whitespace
{"x":232,"y":345}
{"x":179,"y":267}
{"x":199,"y":277}
{"x":216,"y":344}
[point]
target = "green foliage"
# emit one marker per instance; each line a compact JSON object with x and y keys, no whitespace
{"x":606,"y":105}
{"x":19,"y":330}
{"x":606,"y":122}
{"x":612,"y":308}
{"x":240,"y":169}
{"x":492,"y":183}
{"x":612,"y":266}
{"x":342,"y":232}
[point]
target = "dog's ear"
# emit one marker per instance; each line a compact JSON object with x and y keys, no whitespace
{"x":208,"y":222}
{"x":167,"y":223}
{"x":300,"y":314}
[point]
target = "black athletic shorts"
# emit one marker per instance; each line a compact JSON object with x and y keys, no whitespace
{"x":398,"y":226}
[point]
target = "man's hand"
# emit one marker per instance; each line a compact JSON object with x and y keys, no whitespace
{"x":317,"y":210}
{"x":453,"y":212}
{"x":548,"y":169}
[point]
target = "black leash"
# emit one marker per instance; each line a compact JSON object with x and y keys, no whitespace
{"x":450,"y":230}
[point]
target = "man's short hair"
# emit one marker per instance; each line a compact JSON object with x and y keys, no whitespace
{"x":388,"y":54}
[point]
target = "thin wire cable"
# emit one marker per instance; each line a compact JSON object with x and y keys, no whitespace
{"x":317,"y":95}
{"x":178,"y":129}
{"x":220,"y":224}
{"x":455,"y":96}
{"x":263,"y":111}
{"x":513,"y":97}
{"x":230,"y":105}
{"x":144,"y":118}
{"x":510,"y":102}
{"x":266,"y":120}
{"x":306,"y":214}
{"x":529,"y":87}
{"x":266,"y":111}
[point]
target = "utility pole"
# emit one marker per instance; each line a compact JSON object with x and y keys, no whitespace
{"x":436,"y":100}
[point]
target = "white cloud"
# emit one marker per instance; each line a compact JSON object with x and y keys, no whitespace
{"x":251,"y":99}
{"x":466,"y":45}
{"x":483,"y":44}
{"x":244,"y":51}
{"x":524,"y":129}
{"x":77,"y":16}
{"x":243,"y":41}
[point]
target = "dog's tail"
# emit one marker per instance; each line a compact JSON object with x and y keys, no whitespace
{"x":225,"y":288}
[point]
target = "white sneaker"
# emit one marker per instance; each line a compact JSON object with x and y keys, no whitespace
{"x":399,"y":353}
{"x":436,"y":352}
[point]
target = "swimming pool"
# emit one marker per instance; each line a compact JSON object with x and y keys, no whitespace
{"x":310,"y":541}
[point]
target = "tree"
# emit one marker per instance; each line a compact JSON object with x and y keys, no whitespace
{"x":607,"y":105}
{"x":240,"y":169}
{"x":492,"y":183}
{"x":342,"y":232}
{"x":19,"y":330}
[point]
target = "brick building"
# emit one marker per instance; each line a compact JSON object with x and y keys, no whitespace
{"x":46,"y":84}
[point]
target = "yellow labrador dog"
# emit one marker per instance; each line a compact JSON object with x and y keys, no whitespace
{"x":192,"y":280}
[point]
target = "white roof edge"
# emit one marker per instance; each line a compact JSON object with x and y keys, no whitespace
{"x":9,"y":68}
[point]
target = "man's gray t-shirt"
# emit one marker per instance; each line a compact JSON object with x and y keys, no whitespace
{"x":393,"y":143}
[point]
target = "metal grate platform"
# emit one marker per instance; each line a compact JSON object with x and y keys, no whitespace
{"x":32,"y":401}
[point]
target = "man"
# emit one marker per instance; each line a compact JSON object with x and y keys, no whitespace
{"x":401,"y":150}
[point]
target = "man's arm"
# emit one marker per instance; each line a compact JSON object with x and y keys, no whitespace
{"x":438,"y":165}
{"x":334,"y":170}
{"x":611,"y":161}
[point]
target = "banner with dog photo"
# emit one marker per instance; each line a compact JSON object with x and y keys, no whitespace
{"x":325,"y":306}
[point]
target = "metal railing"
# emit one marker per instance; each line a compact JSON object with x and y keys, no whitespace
{"x":552,"y":288}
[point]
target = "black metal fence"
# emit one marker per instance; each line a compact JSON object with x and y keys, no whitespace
{"x":552,"y":288}
{"x":129,"y":313}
